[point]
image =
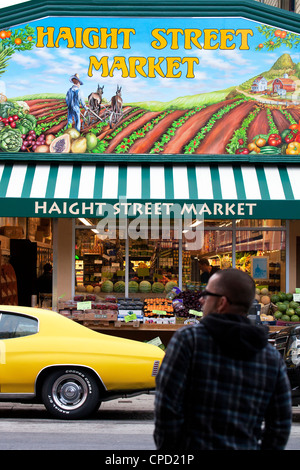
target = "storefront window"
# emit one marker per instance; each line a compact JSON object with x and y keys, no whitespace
{"x":159,"y":259}
{"x":260,"y":223}
{"x":99,"y":262}
{"x":268,"y":247}
{"x":216,"y":248}
{"x":153,"y":265}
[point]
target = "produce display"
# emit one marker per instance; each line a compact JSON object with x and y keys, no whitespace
{"x":143,"y":287}
{"x":186,"y":300}
{"x":154,"y":305}
{"x":287,"y":309}
{"x":278,"y":307}
{"x":148,"y":310}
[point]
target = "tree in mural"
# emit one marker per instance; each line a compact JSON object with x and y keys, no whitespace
{"x":275,"y":38}
{"x":21,"y":39}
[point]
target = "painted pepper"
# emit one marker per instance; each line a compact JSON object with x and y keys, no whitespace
{"x":291,"y":136}
{"x":293,"y":148}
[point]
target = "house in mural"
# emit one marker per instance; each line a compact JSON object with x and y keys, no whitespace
{"x":259,"y":84}
{"x":282,"y":86}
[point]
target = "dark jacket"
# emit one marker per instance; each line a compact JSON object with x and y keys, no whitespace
{"x":44,"y":283}
{"x":204,"y":277}
{"x":219,"y":382}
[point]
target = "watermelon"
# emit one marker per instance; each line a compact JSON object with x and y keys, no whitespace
{"x":290,"y":311}
{"x":275,"y":298}
{"x":145,"y":286}
{"x":133,"y":286}
{"x":107,"y":286}
{"x":119,"y":286}
{"x":282,"y":296}
{"x":281,"y":306}
{"x":294,"y":318}
{"x":158,"y":287}
{"x":169,"y":286}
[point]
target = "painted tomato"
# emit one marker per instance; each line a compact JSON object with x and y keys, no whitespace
{"x":274,"y":140}
{"x":242,"y":151}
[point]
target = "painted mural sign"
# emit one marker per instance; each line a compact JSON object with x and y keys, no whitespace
{"x":179,"y":86}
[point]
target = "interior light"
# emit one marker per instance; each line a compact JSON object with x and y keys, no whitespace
{"x":85,"y":222}
{"x":196,"y":223}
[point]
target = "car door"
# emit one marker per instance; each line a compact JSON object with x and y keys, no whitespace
{"x":16,"y":333}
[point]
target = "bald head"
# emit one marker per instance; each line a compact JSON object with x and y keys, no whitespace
{"x":237,"y":286}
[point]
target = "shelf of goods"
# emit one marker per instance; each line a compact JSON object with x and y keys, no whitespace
{"x":278,"y":310}
{"x":9,"y":288}
{"x":146,"y":317}
{"x":141,"y":318}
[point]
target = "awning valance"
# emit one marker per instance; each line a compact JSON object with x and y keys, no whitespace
{"x":223,"y":190}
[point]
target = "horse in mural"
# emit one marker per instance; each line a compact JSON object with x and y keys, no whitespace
{"x":117,"y":102}
{"x":95,"y":99}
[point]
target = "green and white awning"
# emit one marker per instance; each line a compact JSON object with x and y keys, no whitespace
{"x":223,"y":190}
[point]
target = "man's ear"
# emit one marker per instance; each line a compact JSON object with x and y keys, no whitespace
{"x":222,"y":304}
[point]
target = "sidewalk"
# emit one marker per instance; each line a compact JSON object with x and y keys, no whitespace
{"x":143,"y":403}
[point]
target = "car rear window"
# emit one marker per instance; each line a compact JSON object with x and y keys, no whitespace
{"x":13,"y":325}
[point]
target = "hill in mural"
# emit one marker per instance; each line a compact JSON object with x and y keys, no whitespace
{"x":284,"y":65}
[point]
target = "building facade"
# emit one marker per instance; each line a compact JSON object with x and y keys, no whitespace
{"x":135,"y":148}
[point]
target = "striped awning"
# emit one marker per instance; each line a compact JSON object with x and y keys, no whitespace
{"x":223,"y":190}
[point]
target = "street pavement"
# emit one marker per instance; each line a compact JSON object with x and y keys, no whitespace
{"x":120,"y":424}
{"x":143,"y":403}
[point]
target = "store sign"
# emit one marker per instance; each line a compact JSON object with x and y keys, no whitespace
{"x":184,"y":86}
{"x":212,"y":209}
{"x":134,"y":209}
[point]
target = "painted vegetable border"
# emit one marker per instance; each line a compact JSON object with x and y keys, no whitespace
{"x":159,"y":145}
{"x":195,"y":142}
{"x":272,"y":143}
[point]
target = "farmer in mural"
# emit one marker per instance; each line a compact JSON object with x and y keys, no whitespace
{"x":74,"y":99}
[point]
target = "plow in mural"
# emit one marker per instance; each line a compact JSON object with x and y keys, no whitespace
{"x":226,"y":90}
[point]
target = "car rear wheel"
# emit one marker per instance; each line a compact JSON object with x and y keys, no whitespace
{"x":71,"y":393}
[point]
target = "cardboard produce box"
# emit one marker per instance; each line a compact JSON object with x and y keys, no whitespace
{"x":107,"y":315}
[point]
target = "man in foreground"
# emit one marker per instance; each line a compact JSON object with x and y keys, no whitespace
{"x":221,"y":385}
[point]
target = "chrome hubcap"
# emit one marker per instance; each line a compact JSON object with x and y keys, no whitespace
{"x":69,"y":392}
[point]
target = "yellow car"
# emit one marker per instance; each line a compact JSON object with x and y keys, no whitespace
{"x":50,"y":359}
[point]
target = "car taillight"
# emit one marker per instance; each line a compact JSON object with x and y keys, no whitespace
{"x":155,"y":368}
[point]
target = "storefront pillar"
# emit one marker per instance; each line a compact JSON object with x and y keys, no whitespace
{"x":63,"y":259}
{"x":294,"y":268}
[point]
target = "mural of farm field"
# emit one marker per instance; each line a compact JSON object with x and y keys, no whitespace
{"x":250,"y":109}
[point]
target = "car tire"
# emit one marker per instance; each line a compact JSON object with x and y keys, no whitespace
{"x":71,"y":393}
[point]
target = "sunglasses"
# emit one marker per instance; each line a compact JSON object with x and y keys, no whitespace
{"x":206,"y":293}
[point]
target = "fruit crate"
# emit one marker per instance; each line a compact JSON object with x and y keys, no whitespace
{"x":287,"y":323}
